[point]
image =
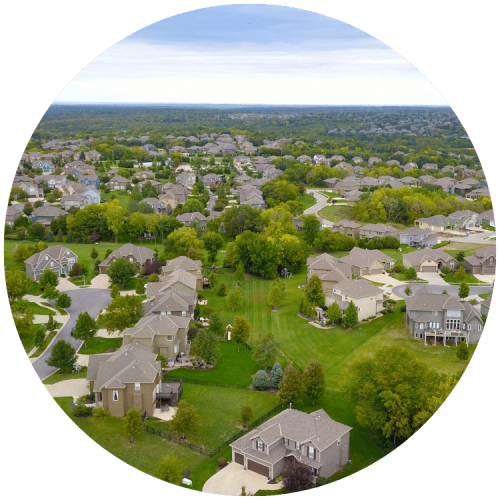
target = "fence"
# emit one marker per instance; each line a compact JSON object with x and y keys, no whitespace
{"x":195,"y":381}
{"x":211,"y":453}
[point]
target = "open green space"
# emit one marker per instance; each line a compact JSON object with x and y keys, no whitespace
{"x":232,"y":367}
{"x":122,"y":197}
{"x":220,"y":411}
{"x":335,"y":213}
{"x":146,"y":450}
{"x":98,"y":345}
{"x":59,"y":377}
{"x":307,"y":200}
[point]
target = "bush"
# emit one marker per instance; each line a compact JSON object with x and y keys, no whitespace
{"x":99,"y":411}
{"x":76,"y":270}
{"x":261,"y":381}
{"x":222,"y":290}
{"x":445,"y":270}
{"x":398,"y":268}
{"x":403,"y":308}
{"x":80,"y":409}
{"x":207,"y":310}
{"x":321,"y":481}
{"x":192,"y":332}
{"x":222,"y":461}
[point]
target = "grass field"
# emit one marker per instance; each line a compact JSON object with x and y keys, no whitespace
{"x":335,"y":213}
{"x":38,"y":309}
{"x":59,"y":377}
{"x":470,"y":279}
{"x":61,"y":311}
{"x":98,"y":345}
{"x":307,"y":200}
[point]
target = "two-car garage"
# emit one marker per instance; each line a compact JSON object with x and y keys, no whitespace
{"x":258,"y":468}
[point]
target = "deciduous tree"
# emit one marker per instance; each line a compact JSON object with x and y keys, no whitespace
{"x":464,"y":290}
{"x":123,"y":312}
{"x":85,"y":328}
{"x":132,"y":423}
{"x":246,"y":414}
{"x":351,"y":315}
{"x":213,"y":243}
{"x":241,"y":330}
{"x":291,"y":387}
{"x":266,"y":350}
{"x":186,"y":419}
{"x":333,"y":313}
{"x":276,"y":293}
{"x":235,"y":297}
{"x":297,"y":477}
{"x":121,"y":272}
{"x":314,"y":290}
{"x":18,"y":284}
{"x":314,"y":380}
{"x":63,"y":356}
{"x":205,"y":346}
{"x":169,"y":469}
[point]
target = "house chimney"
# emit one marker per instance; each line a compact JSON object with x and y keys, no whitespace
{"x":290,"y":406}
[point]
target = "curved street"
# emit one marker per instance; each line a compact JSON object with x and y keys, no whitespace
{"x":91,"y":300}
{"x":451,"y":289}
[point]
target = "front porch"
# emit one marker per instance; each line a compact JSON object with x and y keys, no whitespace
{"x":453,"y":336}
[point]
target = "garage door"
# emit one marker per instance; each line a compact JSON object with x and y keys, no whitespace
{"x":239,"y":458}
{"x":258,"y":468}
{"x":428,"y":269}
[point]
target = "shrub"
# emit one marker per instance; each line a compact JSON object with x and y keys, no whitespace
{"x":222,"y":461}
{"x":76,"y":270}
{"x":222,"y":290}
{"x":99,"y":411}
{"x":80,"y":409}
{"x":321,"y":481}
{"x":445,"y":270}
{"x":192,"y":333}
{"x":398,"y":268}
{"x":261,"y":381}
{"x":207,"y":310}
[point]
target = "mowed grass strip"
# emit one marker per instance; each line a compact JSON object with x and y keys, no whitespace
{"x":99,"y":345}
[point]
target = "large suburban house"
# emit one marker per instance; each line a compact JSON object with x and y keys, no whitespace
{"x":129,"y":377}
{"x":417,"y":237}
{"x":210,"y":179}
{"x":186,"y":179}
{"x":483,"y":261}
{"x":429,"y":260}
{"x":329,"y":269}
{"x":486,"y":218}
{"x":58,"y":259}
{"x":188,"y":219}
{"x":172,"y":302}
{"x":347,"y":227}
{"x":117,"y":183}
{"x":132,"y":253}
{"x":368,"y":298}
{"x":376,"y":231}
{"x":313,"y":439}
{"x":186,"y":264}
{"x":13,"y":212}
{"x":442,"y":317}
{"x":364,"y":262}
{"x":436,"y":223}
{"x":44,"y":215}
{"x":30,"y":188}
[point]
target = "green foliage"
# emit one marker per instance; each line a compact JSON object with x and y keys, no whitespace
{"x":63,"y":301}
{"x":50,"y":293}
{"x":153,"y":278}
{"x":48,"y":277}
{"x":76,"y":270}
{"x":261,"y":381}
{"x":460,"y":274}
{"x":314,"y":380}
{"x":410,"y":273}
{"x":23,"y":317}
{"x":99,"y":412}
{"x":115,"y":291}
{"x":222,"y":290}
{"x":85,"y":328}
{"x":351,"y":315}
{"x":186,"y":419}
{"x":311,"y":227}
{"x":291,"y":387}
{"x":123,"y":312}
{"x":140,"y":288}
{"x":246,"y":414}
{"x":63,"y":356}
{"x":37,"y":231}
{"x":121,"y":272}
{"x":169,"y":469}
{"x":266,"y":351}
{"x":18,"y":284}
{"x":51,"y":324}
{"x":333,"y":313}
{"x":132,"y":423}
{"x":181,"y":240}
{"x":314,"y":290}
{"x":240,"y":272}
{"x":205,"y":346}
{"x":463,"y":352}
{"x":235,"y":297}
{"x":80,"y":409}
{"x":276,"y":293}
{"x":216,"y":326}
{"x":39,"y":337}
{"x":241,"y":330}
{"x":408,"y":291}
{"x":239,"y":219}
{"x":213,"y":242}
{"x":321,"y":481}
{"x":464,"y":290}
{"x":276,"y":375}
{"x":221,"y":461}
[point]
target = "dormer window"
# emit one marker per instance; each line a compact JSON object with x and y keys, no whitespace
{"x":311,"y":452}
{"x":297,"y":446}
{"x":285,"y":440}
{"x":260,"y":446}
{"x":138,"y":387}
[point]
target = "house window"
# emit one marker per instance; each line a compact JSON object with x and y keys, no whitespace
{"x":338,"y":442}
{"x":421,"y":326}
{"x":297,"y":446}
{"x":469,"y":327}
{"x":478,"y":328}
{"x":452,"y":265}
{"x":137,"y":387}
{"x":260,"y":446}
{"x":311,"y":452}
{"x":115,"y":395}
{"x":176,"y":349}
{"x":286,"y":441}
{"x":169,"y":313}
{"x":130,"y":259}
{"x":183,"y":314}
{"x":170,"y":337}
{"x":163,"y":313}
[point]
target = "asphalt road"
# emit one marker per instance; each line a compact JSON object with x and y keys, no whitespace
{"x":90,"y":300}
{"x":451,"y":289}
{"x":321,"y":202}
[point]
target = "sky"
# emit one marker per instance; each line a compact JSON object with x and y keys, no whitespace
{"x":251,"y":54}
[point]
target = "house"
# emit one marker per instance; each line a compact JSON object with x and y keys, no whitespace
{"x":240,"y":161}
{"x":163,"y":334}
{"x":486,"y":218}
{"x":117,"y":183}
{"x":352,"y":197}
{"x":172,"y":302}
{"x":53,"y":181}
{"x":182,"y":281}
{"x":143,"y":175}
{"x":368,"y":298}
{"x":436,"y":223}
{"x":155,"y":184}
{"x":463,"y":219}
{"x":44,"y":215}
{"x":417,"y":237}
{"x":429,"y":260}
{"x":92,"y":155}
{"x":447,"y":184}
{"x":364,"y":262}
{"x":243,"y":179}
{"x":13,"y":212}
{"x":252,"y":196}
{"x":73,"y":200}
{"x":30,"y":188}
{"x":186,"y":179}
{"x":485,"y":307}
{"x":58,"y":259}
{"x":157,"y":205}
{"x":477,"y":193}
{"x":186,"y":264}
{"x":314,"y":439}
{"x":188,"y":219}
{"x":128,"y":378}
{"x":347,"y":184}
{"x":442,"y":317}
{"x":46,"y":165}
{"x":210,"y":179}
{"x":371,"y":231}
{"x":92,"y":180}
{"x":173,"y":195}
{"x":347,"y":227}
{"x":329,"y":269}
{"x":140,"y":256}
{"x":426,"y":179}
{"x":483,"y":261}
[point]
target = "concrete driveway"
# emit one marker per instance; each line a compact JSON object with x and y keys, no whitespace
{"x":399,"y":291}
{"x":477,"y":238}
{"x":432,"y":278}
{"x":100,"y":281}
{"x":231,"y":478}
{"x":74,"y":388}
{"x":66,"y":285}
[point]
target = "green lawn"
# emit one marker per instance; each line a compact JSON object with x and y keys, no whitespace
{"x":232,"y":367}
{"x":307,"y":200}
{"x":122,"y":197}
{"x":485,"y":295}
{"x":28,"y":339}
{"x":59,"y":377}
{"x":38,"y":309}
{"x":398,"y":256}
{"x":334,"y":213}
{"x":98,"y":345}
{"x":61,"y":311}
{"x":147,"y":449}
{"x":46,"y":342}
{"x":469,"y":279}
{"x":220,"y":411}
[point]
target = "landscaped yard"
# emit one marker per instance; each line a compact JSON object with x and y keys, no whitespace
{"x":469,"y":279}
{"x":38,"y":309}
{"x":335,"y":213}
{"x":59,"y":377}
{"x":98,"y":345}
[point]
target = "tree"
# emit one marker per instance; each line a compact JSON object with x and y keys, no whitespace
{"x":297,"y":477}
{"x":291,"y":387}
{"x":132,"y":423}
{"x":261,"y":381}
{"x":23,"y":317}
{"x":410,"y":274}
{"x":310,"y":228}
{"x":64,"y":300}
{"x":18,"y":284}
{"x":115,"y":216}
{"x":186,"y":419}
{"x":169,"y":469}
{"x":121,"y":272}
{"x":140,"y":288}
{"x":314,"y":380}
{"x":205,"y":346}
{"x":213,"y":243}
{"x":460,"y":274}
{"x":39,"y":337}
{"x":333,"y":313}
{"x":85,"y":328}
{"x":463,"y":352}
{"x":240,"y":273}
{"x":51,"y":324}
{"x":212,"y":278}
{"x":276,"y":293}
{"x":222,"y":290}
{"x":460,"y":256}
{"x":36,"y":231}
{"x":153,"y":278}
{"x":50,"y":293}
{"x":241,"y":330}
{"x":115,"y":291}
{"x":266,"y":351}
{"x":276,"y":375}
{"x":76,"y":270}
{"x":464,"y":290}
{"x":50,"y":235}
{"x":216,"y":326}
{"x":63,"y":356}
{"x":123,"y":312}
{"x":351,"y":315}
{"x":235,"y":297}
{"x":388,"y":405}
{"x":180,"y":241}
{"x":408,"y":291}
{"x":28,"y":209}
{"x":246,"y":414}
{"x":48,"y":277}
{"x":94,"y":253}
{"x":314,"y":290}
